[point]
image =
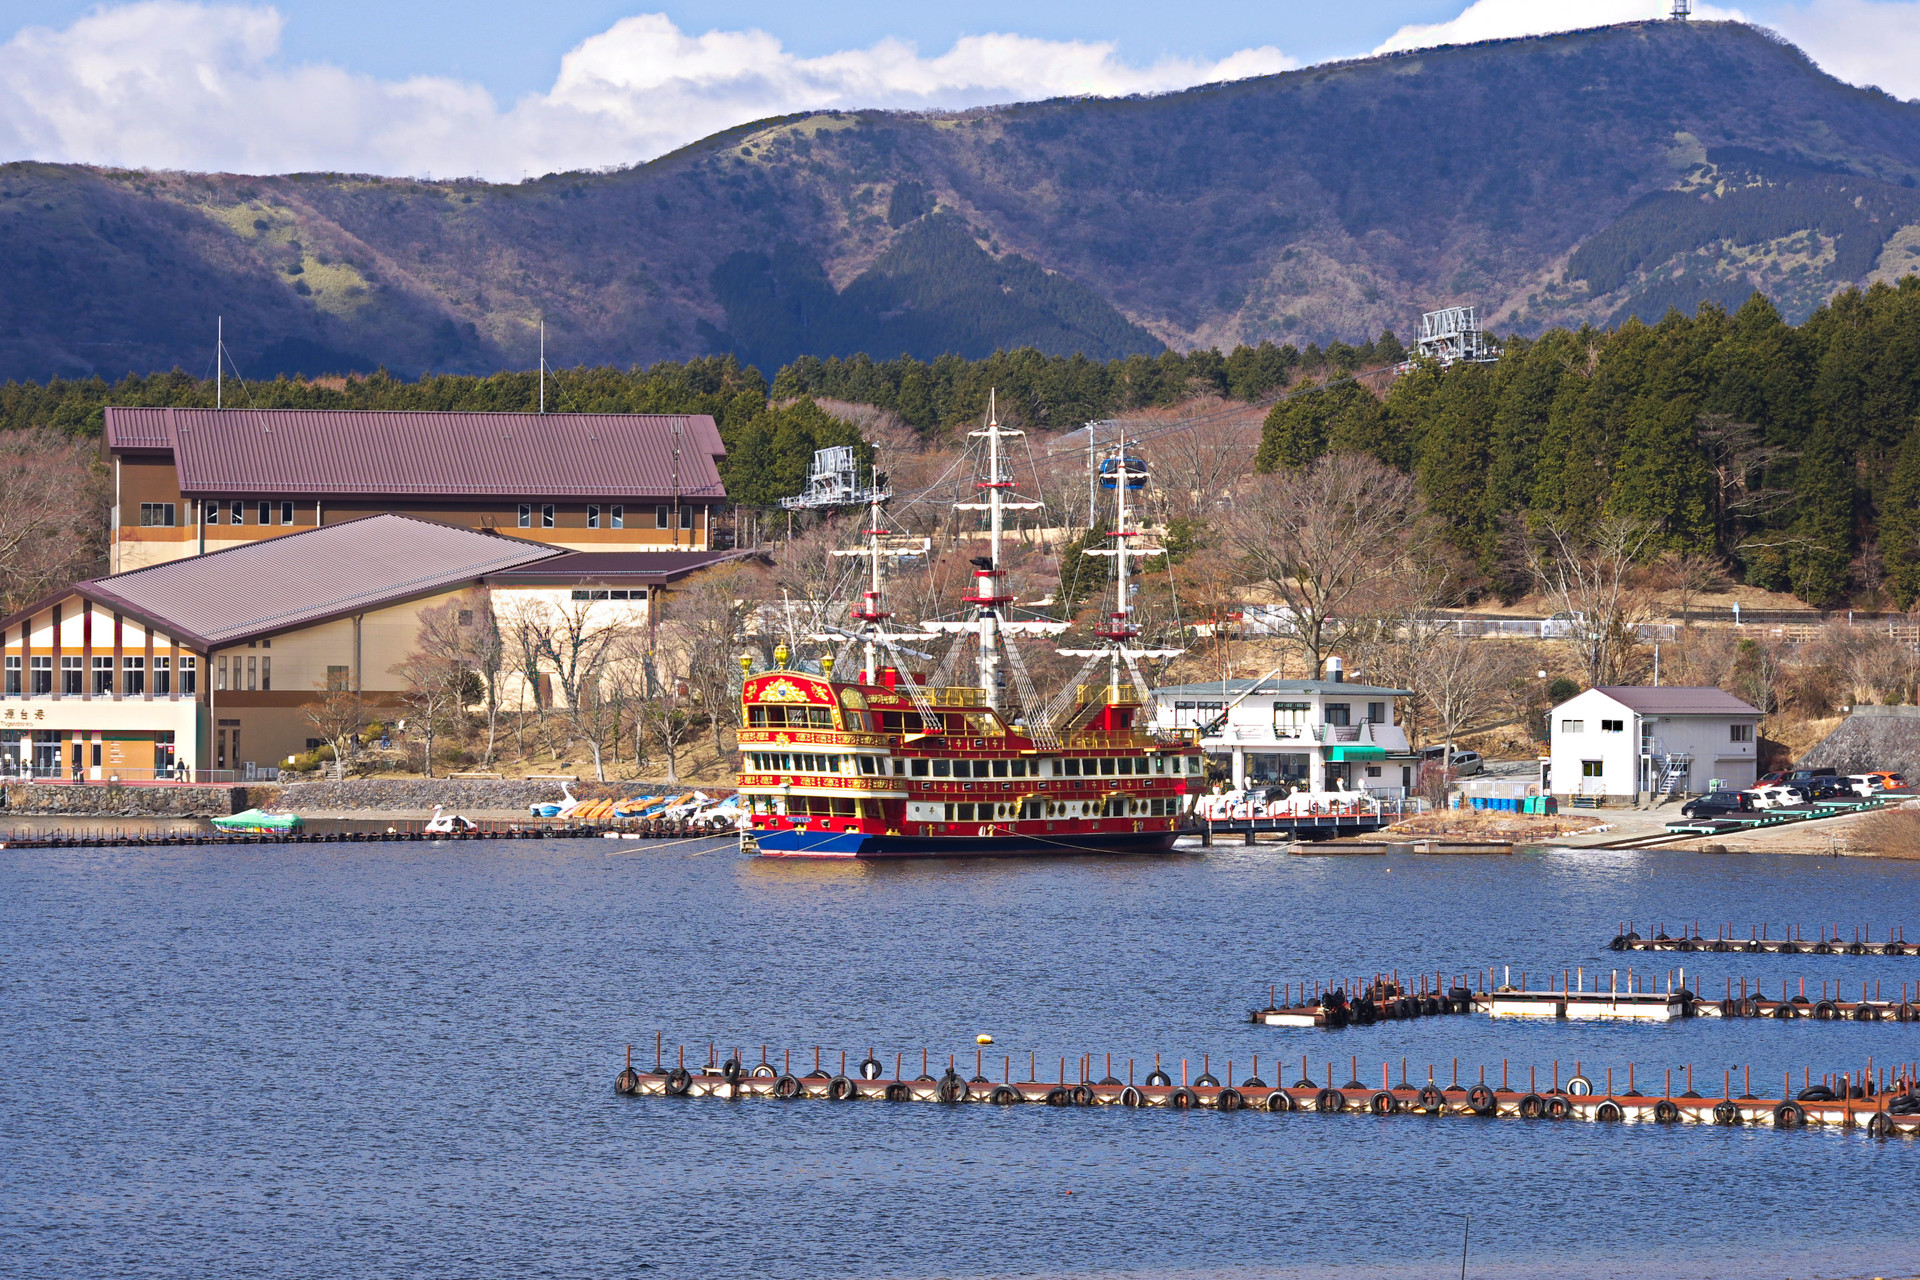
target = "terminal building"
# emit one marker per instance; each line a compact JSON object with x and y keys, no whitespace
{"x":198,"y":667}
{"x":187,"y":482}
{"x":1314,"y":734}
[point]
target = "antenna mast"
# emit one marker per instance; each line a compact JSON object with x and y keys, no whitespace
{"x":543,"y":364}
{"x":219,"y":361}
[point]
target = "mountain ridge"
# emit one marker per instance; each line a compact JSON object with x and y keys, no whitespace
{"x":1327,"y":202}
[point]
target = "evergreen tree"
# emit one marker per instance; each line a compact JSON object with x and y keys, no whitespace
{"x":1822,"y":544}
{"x":1900,"y":523}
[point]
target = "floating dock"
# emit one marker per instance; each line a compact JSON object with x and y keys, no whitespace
{"x":1883,"y":1102}
{"x":1759,"y":940}
{"x":1308,"y":828}
{"x":649,"y":829}
{"x":1614,"y":996}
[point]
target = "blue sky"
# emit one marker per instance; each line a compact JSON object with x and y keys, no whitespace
{"x":505,"y":90}
{"x":515,"y":48}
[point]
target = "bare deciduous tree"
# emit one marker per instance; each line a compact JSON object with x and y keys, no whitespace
{"x":338,"y":716}
{"x":1323,"y":539}
{"x":52,"y":492}
{"x":573,"y":644}
{"x":1463,"y":679}
{"x":432,"y":695}
{"x":1590,"y":581}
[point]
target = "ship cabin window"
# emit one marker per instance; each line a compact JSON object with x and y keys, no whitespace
{"x":899,"y":768}
{"x":1159,"y":764}
{"x":1000,"y":768}
{"x":779,"y":717}
{"x":1107,"y":765}
{"x":868,"y":765}
{"x":1070,"y":768}
{"x":943,"y":768}
{"x":920,"y":768}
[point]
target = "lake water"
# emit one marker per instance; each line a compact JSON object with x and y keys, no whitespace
{"x":397,"y":1061}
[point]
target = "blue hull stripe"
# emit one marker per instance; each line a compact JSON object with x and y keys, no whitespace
{"x":839,"y":844}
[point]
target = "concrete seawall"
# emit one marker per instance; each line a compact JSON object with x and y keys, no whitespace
{"x":114,"y":801}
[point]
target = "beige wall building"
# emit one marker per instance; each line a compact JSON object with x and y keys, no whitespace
{"x":203,"y":666}
{"x":192,"y":481}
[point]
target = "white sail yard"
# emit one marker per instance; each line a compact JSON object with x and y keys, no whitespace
{"x":1120,"y":627}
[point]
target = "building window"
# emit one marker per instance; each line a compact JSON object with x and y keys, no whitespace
{"x":593,"y":515}
{"x":526,"y":515}
{"x":266,"y":675}
{"x":162,"y":677}
{"x":1739,"y":733}
{"x":133,"y":676}
{"x":236,"y":512}
{"x":619,"y":515}
{"x":253,"y":674}
{"x":157,"y":514}
{"x":686,"y":517}
{"x":1573,"y":726}
{"x":1591,"y":769}
{"x":265,"y":512}
{"x":466,"y":617}
{"x":336,"y":679}
{"x":103,"y":675}
{"x":220,"y":674}
{"x":546,"y":516}
{"x":1340,"y":713}
{"x":42,"y":676}
{"x":661,"y":517}
{"x":286,"y":513}
{"x":212,"y":511}
{"x":189,"y":676}
{"x":13,"y":677}
{"x":1613,"y":726}
{"x":1377,"y":712}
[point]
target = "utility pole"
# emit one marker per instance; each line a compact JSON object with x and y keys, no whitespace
{"x":219,"y":360}
{"x":543,"y":364}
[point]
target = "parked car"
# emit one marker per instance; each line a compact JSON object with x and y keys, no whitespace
{"x":1716,"y":803}
{"x":1776,"y":796}
{"x":1826,"y":788}
{"x":1808,"y":775}
{"x":1773,"y":779}
{"x":1465,"y":763}
{"x":1876,"y":782}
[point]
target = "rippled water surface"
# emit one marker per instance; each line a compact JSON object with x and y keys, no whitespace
{"x":397,"y":1060}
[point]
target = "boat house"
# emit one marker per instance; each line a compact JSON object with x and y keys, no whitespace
{"x":1320,"y":734}
{"x":191,"y":481}
{"x":1623,"y":743}
{"x":203,"y":668}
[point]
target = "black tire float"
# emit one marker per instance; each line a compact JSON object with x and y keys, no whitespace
{"x":1005,"y":1095}
{"x":731,"y":1071}
{"x":1786,"y":1009}
{"x":1481,"y":1100}
{"x":1826,"y":1011}
{"x":899,"y":1091}
{"x":679,"y":1080}
{"x":1866,"y":1013}
{"x":1432,"y":1101}
{"x":1082,"y":1095}
{"x":840,"y":1089}
{"x":1727,"y":1112}
{"x":1665,"y":1112}
{"x":1609,"y":1112}
{"x":1230,"y":1099}
{"x":628,"y":1081}
{"x":1532,"y":1107}
{"x":1558,"y":1108}
{"x":1206,"y":1081}
{"x":870,"y":1068}
{"x":1814,"y":1093}
{"x":1579,"y":1086}
{"x":1823,"y":948}
{"x":1183,"y":1099}
{"x":1789,"y":1115}
{"x":1880,"y":1125}
{"x":1329,"y":1101}
{"x":1279,"y":1101}
{"x":787,"y":1087}
{"x":1383,"y":1103}
{"x":1132,"y":1097}
{"x":950,"y":1089}
{"x":1058,"y":1096}
{"x":765,"y":1071}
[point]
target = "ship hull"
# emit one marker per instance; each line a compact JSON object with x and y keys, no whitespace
{"x":853,"y":844}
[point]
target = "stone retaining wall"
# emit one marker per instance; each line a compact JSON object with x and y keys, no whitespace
{"x":114,"y":801}
{"x":407,"y":794}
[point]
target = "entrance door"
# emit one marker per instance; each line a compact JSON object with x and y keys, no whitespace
{"x":46,"y":753}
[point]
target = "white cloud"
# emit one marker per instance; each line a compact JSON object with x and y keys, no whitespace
{"x":168,"y":84}
{"x":1504,"y":19}
{"x":1860,"y":41}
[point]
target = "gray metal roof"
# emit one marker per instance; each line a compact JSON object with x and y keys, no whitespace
{"x":1676,"y":700}
{"x":1239,"y":685}
{"x":299,"y":579}
{"x":378,"y":453}
{"x":621,"y":566}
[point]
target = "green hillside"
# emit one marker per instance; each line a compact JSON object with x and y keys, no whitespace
{"x":1562,"y":180}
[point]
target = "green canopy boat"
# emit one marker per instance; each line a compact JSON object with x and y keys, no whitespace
{"x":258,"y":820}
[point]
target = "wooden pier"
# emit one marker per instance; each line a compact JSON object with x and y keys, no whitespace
{"x":649,"y":829}
{"x":1883,"y":1102}
{"x":1384,"y":999}
{"x":1760,"y":940}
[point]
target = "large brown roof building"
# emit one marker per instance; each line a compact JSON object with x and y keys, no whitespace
{"x":190,"y":481}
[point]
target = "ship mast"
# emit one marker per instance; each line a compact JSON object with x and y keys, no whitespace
{"x":990,"y":597}
{"x":1123,"y":470}
{"x":871,"y":611}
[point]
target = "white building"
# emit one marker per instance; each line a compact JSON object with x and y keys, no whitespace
{"x":1622,"y":742}
{"x":1318,"y":733}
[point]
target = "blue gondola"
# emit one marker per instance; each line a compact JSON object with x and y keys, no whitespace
{"x":1136,"y":469}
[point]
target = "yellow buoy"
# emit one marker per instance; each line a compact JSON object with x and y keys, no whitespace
{"x":983,"y":1039}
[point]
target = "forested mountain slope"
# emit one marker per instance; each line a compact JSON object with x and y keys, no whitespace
{"x":1557,"y":180}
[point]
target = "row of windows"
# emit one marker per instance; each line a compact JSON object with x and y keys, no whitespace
{"x":615,"y":516}
{"x":581,"y":593}
{"x":257,"y":672}
{"x":237,"y":511}
{"x":817,"y":806}
{"x":1115,"y":807}
{"x":1106,"y":766}
{"x":789,"y":717}
{"x":157,"y":514}
{"x":37,"y":678}
{"x":1735,"y":732}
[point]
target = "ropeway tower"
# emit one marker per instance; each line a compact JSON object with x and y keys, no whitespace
{"x":1452,"y":335}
